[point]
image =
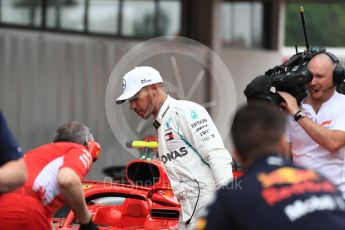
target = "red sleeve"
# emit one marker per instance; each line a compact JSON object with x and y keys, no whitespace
{"x":79,"y":160}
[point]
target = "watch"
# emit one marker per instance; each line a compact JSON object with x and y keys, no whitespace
{"x":298,"y":115}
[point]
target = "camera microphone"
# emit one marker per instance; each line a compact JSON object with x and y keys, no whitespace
{"x":317,"y":90}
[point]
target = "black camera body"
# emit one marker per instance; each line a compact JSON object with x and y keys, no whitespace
{"x":290,"y":77}
{"x":293,"y":75}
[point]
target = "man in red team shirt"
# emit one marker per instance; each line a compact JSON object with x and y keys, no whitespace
{"x":55,"y":174}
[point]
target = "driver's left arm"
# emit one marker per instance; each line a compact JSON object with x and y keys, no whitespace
{"x":204,"y":136}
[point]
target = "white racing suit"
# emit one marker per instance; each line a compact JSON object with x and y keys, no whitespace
{"x":193,"y":154}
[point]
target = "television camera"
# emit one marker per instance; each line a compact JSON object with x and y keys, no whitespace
{"x":291,"y":76}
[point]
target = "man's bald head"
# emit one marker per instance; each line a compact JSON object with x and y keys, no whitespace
{"x":322,"y":60}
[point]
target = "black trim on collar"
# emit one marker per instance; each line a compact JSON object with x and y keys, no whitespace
{"x":156,"y":124}
{"x":166,"y":110}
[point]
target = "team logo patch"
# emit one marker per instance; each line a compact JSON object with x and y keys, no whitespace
{"x":169,"y":136}
{"x":123,"y":84}
{"x":86,"y":186}
{"x":143,"y":81}
{"x":168,"y":122}
{"x":174,"y":155}
{"x":194,"y":115}
{"x":325,"y":123}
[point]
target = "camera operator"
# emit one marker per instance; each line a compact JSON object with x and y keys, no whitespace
{"x":316,"y":128}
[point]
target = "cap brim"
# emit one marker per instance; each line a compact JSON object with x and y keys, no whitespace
{"x":126,"y":95}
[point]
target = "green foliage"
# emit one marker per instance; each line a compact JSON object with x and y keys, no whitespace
{"x":145,"y":27}
{"x":325,"y":24}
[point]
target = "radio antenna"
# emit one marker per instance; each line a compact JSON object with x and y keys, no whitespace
{"x":301,"y":10}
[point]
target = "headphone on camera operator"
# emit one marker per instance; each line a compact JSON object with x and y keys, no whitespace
{"x":338,"y":71}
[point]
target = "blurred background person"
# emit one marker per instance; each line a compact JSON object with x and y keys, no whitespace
{"x":273,"y":193}
{"x":12,"y":167}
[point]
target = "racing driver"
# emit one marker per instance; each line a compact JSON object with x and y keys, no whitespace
{"x":190,"y":145}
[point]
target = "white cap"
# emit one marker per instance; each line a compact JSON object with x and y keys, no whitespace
{"x":136,"y":79}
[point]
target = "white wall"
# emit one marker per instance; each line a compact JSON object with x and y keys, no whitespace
{"x":49,"y":79}
{"x":245,"y":65}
